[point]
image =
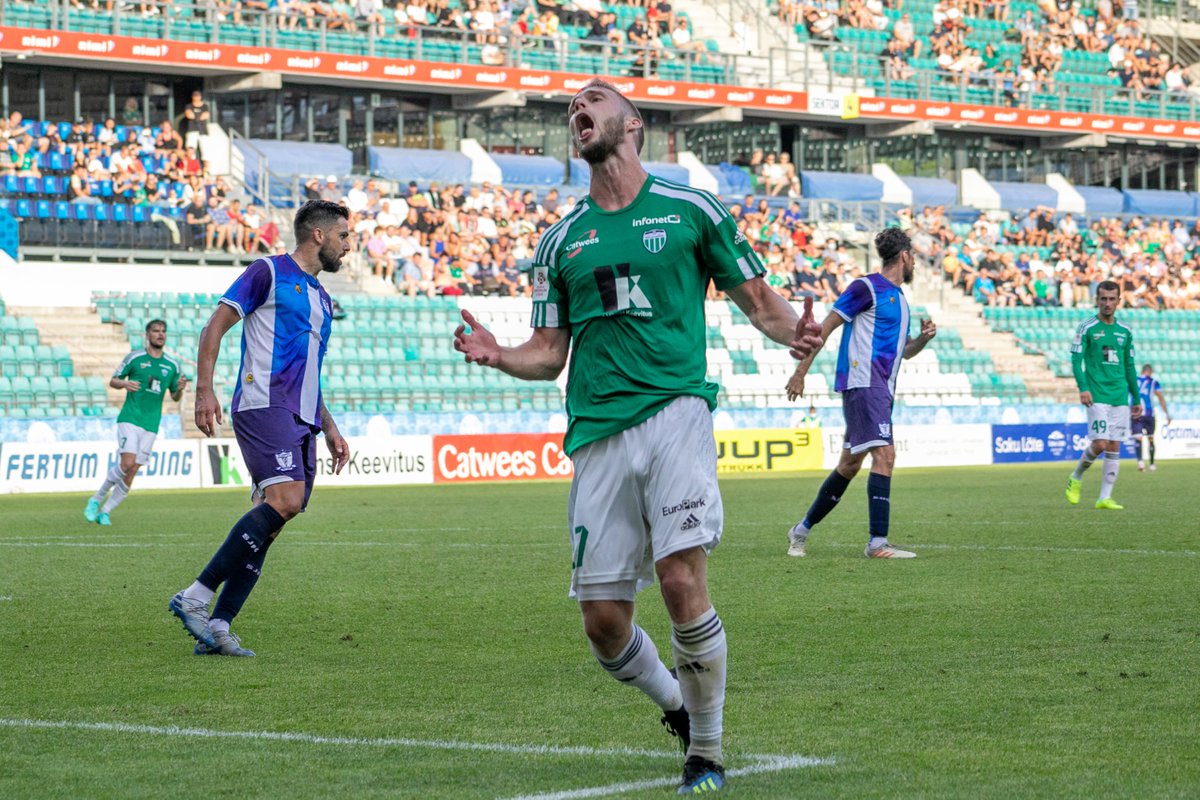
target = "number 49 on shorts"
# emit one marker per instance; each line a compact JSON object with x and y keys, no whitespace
{"x":1099,"y":426}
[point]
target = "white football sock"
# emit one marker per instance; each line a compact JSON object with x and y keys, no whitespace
{"x":639,"y":665}
{"x":700,"y":655}
{"x":1112,"y":465}
{"x":1085,"y":461}
{"x":118,"y":495}
{"x":114,"y":476}
{"x":198,"y":591}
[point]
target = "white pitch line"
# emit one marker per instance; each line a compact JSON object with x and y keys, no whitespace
{"x":310,"y":738}
{"x":1100,"y":551}
{"x":773,"y":764}
{"x":4,"y":597}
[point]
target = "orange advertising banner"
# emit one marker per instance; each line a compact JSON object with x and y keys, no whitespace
{"x":500,"y":457}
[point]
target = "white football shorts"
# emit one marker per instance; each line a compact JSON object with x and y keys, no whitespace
{"x":641,"y":495}
{"x":1107,"y":422}
{"x":132,"y":439}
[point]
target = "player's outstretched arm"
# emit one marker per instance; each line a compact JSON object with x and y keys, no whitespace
{"x":795,"y":384}
{"x":541,"y":358}
{"x":776,"y":318}
{"x":207,"y":407}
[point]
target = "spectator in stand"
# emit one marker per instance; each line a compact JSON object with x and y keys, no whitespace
{"x":197,"y":224}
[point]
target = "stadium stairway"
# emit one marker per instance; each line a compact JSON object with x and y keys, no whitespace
{"x":96,"y":348}
{"x":964,"y":315}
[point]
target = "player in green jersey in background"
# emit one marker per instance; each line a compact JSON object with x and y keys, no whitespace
{"x":1102,"y":359}
{"x":619,"y":284}
{"x":145,"y":375}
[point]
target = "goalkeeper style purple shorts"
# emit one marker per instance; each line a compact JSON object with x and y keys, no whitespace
{"x":868,"y":415}
{"x":277,"y":446}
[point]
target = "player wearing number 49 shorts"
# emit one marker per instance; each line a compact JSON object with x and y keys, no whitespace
{"x":1102,"y":359}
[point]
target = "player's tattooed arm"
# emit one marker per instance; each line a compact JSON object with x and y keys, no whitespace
{"x":339,"y":448}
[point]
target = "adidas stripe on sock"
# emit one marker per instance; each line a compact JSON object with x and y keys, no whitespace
{"x":700,"y":661}
{"x":639,"y":665}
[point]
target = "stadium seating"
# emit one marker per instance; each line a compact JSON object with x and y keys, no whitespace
{"x":1170,"y":340}
{"x":37,"y":380}
{"x":372,"y":368}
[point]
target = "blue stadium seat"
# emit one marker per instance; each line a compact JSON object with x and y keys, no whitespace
{"x":41,"y":209}
{"x":120,"y":213}
{"x":23,"y":209}
{"x":12,"y":184}
{"x":103,"y":212}
{"x":64,"y":130}
{"x":60,"y":162}
{"x":82,"y":212}
{"x":106,"y":189}
{"x":30,"y":186}
{"x":62,"y":209}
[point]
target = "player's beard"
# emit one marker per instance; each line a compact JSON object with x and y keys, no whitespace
{"x":908,"y":272}
{"x":605,"y":142}
{"x":330,"y":261}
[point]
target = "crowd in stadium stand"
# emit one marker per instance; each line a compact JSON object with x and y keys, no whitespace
{"x":1057,"y":27}
{"x":139,"y":165}
{"x":1037,"y":258}
{"x":453,"y":240}
{"x":657,"y":32}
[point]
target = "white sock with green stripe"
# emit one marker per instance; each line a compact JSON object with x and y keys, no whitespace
{"x":639,"y":665}
{"x":700,"y":655}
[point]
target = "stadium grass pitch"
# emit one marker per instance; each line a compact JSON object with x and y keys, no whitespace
{"x":418,"y":643}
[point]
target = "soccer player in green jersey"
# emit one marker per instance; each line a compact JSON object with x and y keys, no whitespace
{"x":1102,"y":359}
{"x":619,"y":284}
{"x":145,"y":375}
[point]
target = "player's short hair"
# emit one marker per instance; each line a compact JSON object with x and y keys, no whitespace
{"x":1107,"y":286}
{"x":639,"y":136}
{"x":154,"y":322}
{"x":316,"y":214}
{"x":890,"y":243}
{"x":1147,"y":368}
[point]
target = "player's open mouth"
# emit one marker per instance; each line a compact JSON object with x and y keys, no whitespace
{"x":584,"y":126}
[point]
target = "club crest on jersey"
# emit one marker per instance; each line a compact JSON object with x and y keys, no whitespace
{"x":284,"y":459}
{"x":654,"y":240}
{"x":298,"y":289}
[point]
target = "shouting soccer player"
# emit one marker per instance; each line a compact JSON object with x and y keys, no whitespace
{"x":622,"y":278}
{"x":1102,"y":359}
{"x":875,"y":312}
{"x":145,"y":375}
{"x":277,"y":410}
{"x":1143,"y":427}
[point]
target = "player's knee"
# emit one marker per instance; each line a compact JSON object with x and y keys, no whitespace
{"x":606,"y":626}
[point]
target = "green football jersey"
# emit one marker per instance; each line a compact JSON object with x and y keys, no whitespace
{"x":630,"y":287}
{"x":155,"y":375}
{"x":1102,"y":360}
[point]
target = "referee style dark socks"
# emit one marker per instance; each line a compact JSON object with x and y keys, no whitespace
{"x":248,"y":539}
{"x":879,"y":504}
{"x":827,"y":498}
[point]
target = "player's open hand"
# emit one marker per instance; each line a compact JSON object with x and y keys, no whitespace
{"x":477,"y":345}
{"x":132,"y":386}
{"x":1086,"y":399}
{"x":207,"y":411}
{"x":795,"y":386}
{"x":928,"y":329}
{"x":339,"y":448}
{"x":808,"y":334}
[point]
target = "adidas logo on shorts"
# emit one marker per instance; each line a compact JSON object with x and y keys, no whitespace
{"x":690,"y":523}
